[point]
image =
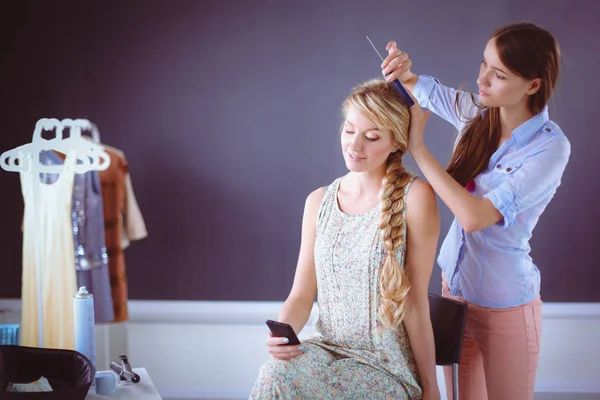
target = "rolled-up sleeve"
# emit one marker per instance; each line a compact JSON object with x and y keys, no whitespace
{"x":441,"y":100}
{"x":538,"y":176}
{"x":423,"y":88}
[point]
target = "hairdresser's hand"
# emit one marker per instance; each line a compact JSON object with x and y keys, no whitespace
{"x":279,"y":348}
{"x":397,"y":65}
{"x":418,"y":120}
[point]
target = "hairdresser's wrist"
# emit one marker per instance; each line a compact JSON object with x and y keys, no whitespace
{"x":416,"y":149}
{"x":409,"y":80}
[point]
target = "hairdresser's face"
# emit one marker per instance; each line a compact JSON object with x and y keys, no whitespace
{"x":366,"y":148}
{"x":498,"y":86}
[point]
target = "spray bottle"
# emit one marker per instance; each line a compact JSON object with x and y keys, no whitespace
{"x":84,"y":324}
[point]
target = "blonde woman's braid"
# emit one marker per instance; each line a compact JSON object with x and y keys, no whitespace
{"x":394,"y":281}
{"x":380,"y":102}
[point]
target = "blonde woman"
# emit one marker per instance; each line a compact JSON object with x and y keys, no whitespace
{"x":368,"y":247}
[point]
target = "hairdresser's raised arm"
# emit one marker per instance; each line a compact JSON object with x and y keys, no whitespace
{"x":428,"y":91}
{"x":472,"y":212}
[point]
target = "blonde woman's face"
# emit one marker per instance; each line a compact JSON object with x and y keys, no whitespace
{"x":365,"y":147}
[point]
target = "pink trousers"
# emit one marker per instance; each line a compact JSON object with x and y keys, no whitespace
{"x":500,"y":352}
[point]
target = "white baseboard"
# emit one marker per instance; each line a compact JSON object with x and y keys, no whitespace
{"x":212,"y":350}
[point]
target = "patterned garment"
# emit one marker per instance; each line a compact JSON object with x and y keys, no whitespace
{"x":351,"y":356}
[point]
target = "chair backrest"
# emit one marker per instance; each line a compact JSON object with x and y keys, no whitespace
{"x":448,"y":318}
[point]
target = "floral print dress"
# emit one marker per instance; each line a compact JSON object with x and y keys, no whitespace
{"x":350,"y":356}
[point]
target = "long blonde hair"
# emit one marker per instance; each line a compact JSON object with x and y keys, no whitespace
{"x":381,"y":104}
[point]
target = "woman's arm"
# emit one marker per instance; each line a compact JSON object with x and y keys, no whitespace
{"x":423,"y":220}
{"x":539,"y":175}
{"x":296,"y":309}
{"x":472,"y":212}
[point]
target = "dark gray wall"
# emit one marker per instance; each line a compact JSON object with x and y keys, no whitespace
{"x":228,"y":112}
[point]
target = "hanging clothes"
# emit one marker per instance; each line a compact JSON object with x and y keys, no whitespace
{"x":51,"y":231}
{"x":123,"y":223}
{"x":87,"y":222}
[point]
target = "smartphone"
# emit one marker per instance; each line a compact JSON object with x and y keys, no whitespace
{"x":281,"y":329}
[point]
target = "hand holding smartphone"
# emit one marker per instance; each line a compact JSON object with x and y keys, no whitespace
{"x":280,"y":333}
{"x":281,"y":329}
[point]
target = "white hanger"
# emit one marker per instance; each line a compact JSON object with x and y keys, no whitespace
{"x":94,"y":133}
{"x":26,"y":158}
{"x":90,"y":156}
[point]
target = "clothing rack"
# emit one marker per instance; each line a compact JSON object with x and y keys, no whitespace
{"x":90,"y":156}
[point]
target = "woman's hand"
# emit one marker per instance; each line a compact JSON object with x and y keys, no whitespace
{"x":396,"y":65}
{"x":418,"y":120}
{"x":279,"y":348}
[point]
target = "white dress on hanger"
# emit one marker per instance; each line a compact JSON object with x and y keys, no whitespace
{"x":59,"y":282}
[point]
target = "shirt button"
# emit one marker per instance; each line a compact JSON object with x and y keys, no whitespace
{"x":498,"y":165}
{"x":548,"y":129}
{"x":508,"y":169}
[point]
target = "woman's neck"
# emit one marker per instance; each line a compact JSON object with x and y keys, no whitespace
{"x":368,"y":184}
{"x":513,"y":117}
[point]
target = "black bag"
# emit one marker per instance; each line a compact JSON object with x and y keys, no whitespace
{"x":69,"y":372}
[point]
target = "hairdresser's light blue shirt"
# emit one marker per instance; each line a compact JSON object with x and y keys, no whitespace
{"x":492,"y":267}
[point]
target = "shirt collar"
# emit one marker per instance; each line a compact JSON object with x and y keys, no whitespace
{"x":527,"y":129}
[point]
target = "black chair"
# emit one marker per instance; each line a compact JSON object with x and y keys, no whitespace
{"x":448,"y":318}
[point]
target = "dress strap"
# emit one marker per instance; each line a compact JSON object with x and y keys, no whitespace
{"x":327,"y":203}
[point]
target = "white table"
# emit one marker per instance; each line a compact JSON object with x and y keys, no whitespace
{"x":143,"y":390}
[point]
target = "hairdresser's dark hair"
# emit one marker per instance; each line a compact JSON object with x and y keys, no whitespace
{"x":528,"y":51}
